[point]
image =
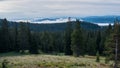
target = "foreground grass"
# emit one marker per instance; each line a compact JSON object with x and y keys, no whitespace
{"x":51,"y":61}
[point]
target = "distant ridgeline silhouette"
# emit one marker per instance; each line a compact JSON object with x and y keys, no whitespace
{"x":55,"y":26}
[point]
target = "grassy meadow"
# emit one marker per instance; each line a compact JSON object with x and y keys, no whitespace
{"x":51,"y":61}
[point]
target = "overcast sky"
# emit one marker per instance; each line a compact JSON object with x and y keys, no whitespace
{"x":57,"y":8}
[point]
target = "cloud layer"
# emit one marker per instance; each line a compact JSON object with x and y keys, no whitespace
{"x":51,"y":8}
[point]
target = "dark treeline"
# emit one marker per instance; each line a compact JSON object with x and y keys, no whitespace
{"x":54,"y":27}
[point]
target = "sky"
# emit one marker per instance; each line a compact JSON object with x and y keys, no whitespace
{"x":57,"y":8}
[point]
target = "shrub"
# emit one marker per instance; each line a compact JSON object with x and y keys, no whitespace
{"x":97,"y":57}
{"x":4,"y":64}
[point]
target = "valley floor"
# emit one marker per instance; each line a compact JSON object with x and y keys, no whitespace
{"x":51,"y":61}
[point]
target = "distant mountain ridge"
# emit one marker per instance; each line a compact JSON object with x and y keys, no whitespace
{"x":47,"y":20}
{"x":55,"y":26}
{"x":100,"y":20}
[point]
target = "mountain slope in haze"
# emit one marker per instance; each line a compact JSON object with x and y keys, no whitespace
{"x":55,"y":26}
{"x":61,"y":26}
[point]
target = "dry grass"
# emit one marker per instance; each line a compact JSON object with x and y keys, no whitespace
{"x":52,"y":61}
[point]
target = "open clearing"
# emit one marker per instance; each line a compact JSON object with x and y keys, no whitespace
{"x":52,"y":61}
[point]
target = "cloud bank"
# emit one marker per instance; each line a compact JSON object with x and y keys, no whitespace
{"x":53,"y":8}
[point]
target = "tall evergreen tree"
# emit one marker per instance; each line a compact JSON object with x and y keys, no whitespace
{"x":30,"y":38}
{"x":34,"y":44}
{"x":16,"y":46}
{"x":23,"y":37}
{"x":68,"y":32}
{"x":45,"y":41}
{"x":77,"y":40}
{"x":110,"y":49}
{"x":90,"y":43}
{"x":98,"y":42}
{"x":5,"y":37}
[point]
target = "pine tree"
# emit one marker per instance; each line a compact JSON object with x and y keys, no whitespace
{"x":98,"y":41}
{"x":45,"y":41}
{"x":77,"y":40}
{"x":23,"y":37}
{"x":68,"y":32}
{"x":30,"y":39}
{"x":90,"y":43}
{"x":5,"y":37}
{"x":34,"y":44}
{"x":16,"y":46}
{"x":112,"y":40}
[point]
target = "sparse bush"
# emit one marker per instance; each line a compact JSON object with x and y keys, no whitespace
{"x":97,"y":57}
{"x":107,"y":60}
{"x":4,"y":64}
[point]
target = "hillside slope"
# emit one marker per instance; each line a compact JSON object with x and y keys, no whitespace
{"x":55,"y":26}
